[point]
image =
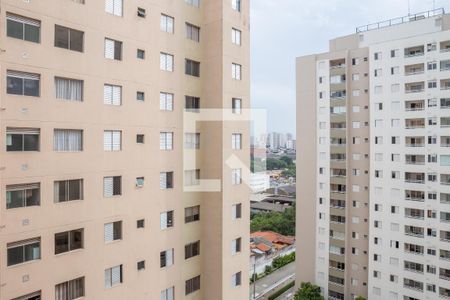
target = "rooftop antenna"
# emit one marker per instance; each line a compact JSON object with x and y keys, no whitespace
{"x":409,"y":8}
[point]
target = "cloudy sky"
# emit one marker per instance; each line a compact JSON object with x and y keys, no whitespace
{"x":284,"y":29}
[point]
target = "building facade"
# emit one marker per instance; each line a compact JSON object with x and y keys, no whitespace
{"x":93,"y":179}
{"x":373,"y":180}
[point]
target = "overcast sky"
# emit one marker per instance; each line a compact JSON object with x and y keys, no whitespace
{"x":284,"y":29}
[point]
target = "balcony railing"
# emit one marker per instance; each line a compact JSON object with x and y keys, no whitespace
{"x":419,"y":235}
{"x":415,"y":145}
{"x":417,"y":199}
{"x":416,"y":90}
{"x":415,"y":180}
{"x":414,"y":72}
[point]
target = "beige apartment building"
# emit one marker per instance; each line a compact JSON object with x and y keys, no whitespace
{"x":93,"y":177}
{"x":373,"y":181}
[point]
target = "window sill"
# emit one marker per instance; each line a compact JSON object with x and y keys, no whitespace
{"x":23,"y":264}
{"x":69,"y":252}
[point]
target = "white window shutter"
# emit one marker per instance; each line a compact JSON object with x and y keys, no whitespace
{"x":162,"y":61}
{"x":163,"y":220}
{"x":170,"y":294}
{"x":162,"y":180}
{"x":233,"y":247}
{"x":109,"y":232}
{"x":108,"y":183}
{"x":107,"y":140}
{"x":170,"y":25}
{"x":109,"y":6}
{"x":169,"y":140}
{"x":115,"y":275}
{"x":116,"y":140}
{"x":162,"y":101}
{"x":169,"y":257}
{"x":170,"y":62}
{"x":233,"y":212}
{"x":107,"y":278}
{"x":109,"y":49}
{"x":118,"y":7}
{"x":169,"y":102}
{"x":116,"y":95}
{"x":107,"y":94}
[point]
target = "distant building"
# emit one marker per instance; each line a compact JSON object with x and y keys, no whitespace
{"x":259,"y":182}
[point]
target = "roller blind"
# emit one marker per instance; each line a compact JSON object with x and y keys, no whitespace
{"x":109,"y":232}
{"x":163,"y":220}
{"x":109,"y":49}
{"x":108,"y":186}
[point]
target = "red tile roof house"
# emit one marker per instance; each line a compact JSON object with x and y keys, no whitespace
{"x":268,"y":242}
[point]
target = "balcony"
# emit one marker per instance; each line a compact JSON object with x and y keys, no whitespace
{"x":444,"y":236}
{"x":338,"y":188}
{"x":413,"y":213}
{"x":445,"y":217}
{"x":445,"y":141}
{"x":415,"y":123}
{"x":338,"y":95}
{"x":444,"y":274}
{"x":337,"y":64}
{"x":444,"y":198}
{"x":445,"y":65}
{"x":445,"y":103}
{"x":414,"y":51}
{"x":444,"y":46}
{"x":416,"y":105}
{"x":445,"y":122}
{"x":415,"y":159}
{"x":418,"y":196}
{"x":338,"y":204}
{"x":338,"y":157}
{"x":414,"y":87}
{"x":414,"y":69}
{"x":414,"y":231}
{"x":445,"y":84}
{"x":339,"y":173}
{"x":445,"y":179}
{"x":415,"y":141}
{"x":338,"y":142}
{"x":338,"y":125}
{"x":412,"y":177}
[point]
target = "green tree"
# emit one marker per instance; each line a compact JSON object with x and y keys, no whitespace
{"x":287,"y":160}
{"x":308,"y":291}
{"x":360,"y":298}
{"x":275,"y":164}
{"x":280,"y":222}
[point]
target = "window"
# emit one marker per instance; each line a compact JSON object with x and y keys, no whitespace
{"x":192,"y":104}
{"x":395,"y":70}
{"x":21,"y":83}
{"x":192,"y":68}
{"x":166,"y":62}
{"x":23,"y":195}
{"x":166,"y":258}
{"x":113,"y":49}
{"x":236,"y":5}
{"x":192,"y":285}
{"x":395,"y":53}
{"x":236,"y":141}
{"x":140,"y":54}
{"x":112,"y":140}
{"x":113,"y":231}
{"x":236,"y":105}
{"x":33,"y":296}
{"x":166,"y":140}
{"x":236,"y":71}
{"x":355,"y":77}
{"x":113,"y":276}
{"x":236,"y":177}
{"x":68,"y":89}
{"x":236,"y":36}
{"x":114,"y":7}
{"x":23,"y":251}
{"x":432,"y":84}
{"x":112,"y":94}
{"x":68,"y":190}
{"x":69,"y":38}
{"x":112,"y":186}
{"x":167,"y":294}
{"x":193,"y":32}
{"x":192,"y":140}
{"x":192,"y":250}
{"x":140,"y":96}
{"x":68,"y":241}
{"x":377,"y":55}
{"x":140,"y":138}
{"x":432,"y":65}
{"x":236,"y":211}
{"x":195,"y":3}
{"x":67,"y":140}
{"x":140,"y":223}
{"x":236,"y":246}
{"x":141,"y":265}
{"x":141,"y":12}
{"x":165,"y":101}
{"x":191,"y":214}
{"x":166,"y":219}
{"x":192,"y":177}
{"x":166,"y":180}
{"x":23,"y":28}
{"x":70,"y":290}
{"x":140,"y":181}
{"x":167,"y":23}
{"x":236,"y":279}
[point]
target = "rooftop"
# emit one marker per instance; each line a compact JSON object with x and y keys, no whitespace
{"x":402,"y":20}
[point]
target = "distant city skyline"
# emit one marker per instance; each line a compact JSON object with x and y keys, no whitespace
{"x":298,"y":28}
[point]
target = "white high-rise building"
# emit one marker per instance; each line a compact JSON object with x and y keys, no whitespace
{"x":374,"y":169}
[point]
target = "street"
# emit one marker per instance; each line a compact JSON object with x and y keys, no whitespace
{"x":268,"y":283}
